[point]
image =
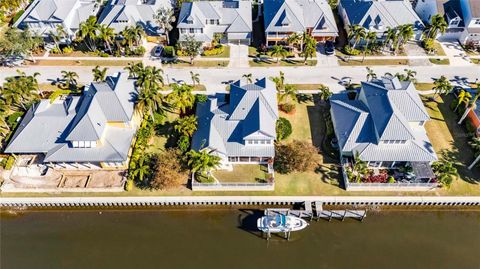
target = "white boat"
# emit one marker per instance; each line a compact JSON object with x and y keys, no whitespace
{"x":280,"y":223}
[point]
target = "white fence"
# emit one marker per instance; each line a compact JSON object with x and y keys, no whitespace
{"x":196,"y":186}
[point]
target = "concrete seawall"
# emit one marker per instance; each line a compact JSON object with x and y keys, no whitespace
{"x":444,"y":201}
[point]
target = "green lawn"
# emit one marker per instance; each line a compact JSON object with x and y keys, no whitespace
{"x":273,"y":62}
{"x":439,"y":61}
{"x":368,"y":62}
{"x":475,"y":61}
{"x":83,"y":62}
{"x":163,"y":134}
{"x":200,"y":63}
{"x":224,"y":54}
{"x":307,"y":87}
{"x":439,"y":49}
{"x":246,"y":173}
{"x":423,"y":86}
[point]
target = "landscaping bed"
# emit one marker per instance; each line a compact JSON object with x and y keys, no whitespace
{"x":82,"y":62}
{"x":286,"y":62}
{"x":199,"y":63}
{"x":373,"y":62}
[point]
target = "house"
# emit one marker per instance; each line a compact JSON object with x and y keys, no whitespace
{"x":473,"y":119}
{"x":285,"y":17}
{"x":471,"y":18}
{"x":239,"y":127}
{"x":119,"y":14}
{"x":44,"y":16}
{"x":450,"y":9}
{"x":379,"y":15}
{"x":94,"y":130}
{"x":205,"y":20}
{"x":383,"y":125}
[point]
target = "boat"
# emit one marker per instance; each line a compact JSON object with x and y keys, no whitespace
{"x":280,"y":223}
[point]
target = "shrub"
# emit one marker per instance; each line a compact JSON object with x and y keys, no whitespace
{"x":56,"y":94}
{"x":429,"y":44}
{"x":391,"y":179}
{"x":183,"y":143}
{"x":139,"y":51}
{"x":10,"y":162}
{"x":297,"y":156}
{"x":215,"y":51}
{"x":287,"y":107}
{"x":55,"y":50}
{"x":67,"y":50}
{"x":169,"y":172}
{"x":168,"y":51}
{"x":201,"y":98}
{"x":284,"y":129}
{"x":349,"y":50}
{"x":181,"y":53}
{"x":129,"y":185}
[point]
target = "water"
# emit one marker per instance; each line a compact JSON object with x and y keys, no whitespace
{"x":227,"y":239}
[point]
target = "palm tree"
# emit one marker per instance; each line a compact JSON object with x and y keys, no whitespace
{"x":149,"y":77}
{"x":186,"y":125}
{"x":463,"y":98}
{"x":405,"y":32}
{"x":289,"y":92}
{"x":150,"y":101}
{"x":359,"y":167}
{"x":106,"y":34}
{"x":475,"y":143}
{"x":88,"y":32}
{"x":391,"y":37}
{"x":195,"y":77}
{"x":165,"y":17}
{"x":325,"y":93}
{"x":181,"y":97}
{"x":99,"y":75}
{"x":134,"y":69}
{"x":371,"y":36}
{"x":371,"y":74}
{"x":279,"y":81}
{"x":294,"y":39}
{"x":248,"y":77}
{"x":442,"y":86}
{"x":140,"y":169}
{"x":58,"y":36}
{"x":278,"y":51}
{"x":4,"y":128}
{"x":132,"y":35}
{"x":445,"y":172}
{"x":472,"y":105}
{"x":437,"y":25}
{"x":410,"y":74}
{"x":70,"y":79}
{"x":202,"y":161}
{"x":310,"y":47}
{"x":355,"y":34}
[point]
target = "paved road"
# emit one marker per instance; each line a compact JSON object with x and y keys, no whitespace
{"x":216,"y":79}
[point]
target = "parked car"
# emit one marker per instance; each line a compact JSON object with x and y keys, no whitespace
{"x":157,"y":51}
{"x":329,"y":48}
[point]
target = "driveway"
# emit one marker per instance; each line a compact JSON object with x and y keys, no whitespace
{"x":238,"y":56}
{"x":323,"y":59}
{"x":414,"y":49}
{"x":455,"y":53}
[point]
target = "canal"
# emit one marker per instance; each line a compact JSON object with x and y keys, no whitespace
{"x":228,"y":239}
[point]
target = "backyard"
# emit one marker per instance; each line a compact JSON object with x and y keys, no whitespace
{"x":242,"y":173}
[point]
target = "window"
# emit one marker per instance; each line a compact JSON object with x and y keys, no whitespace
{"x":75,"y":144}
{"x":81,"y":144}
{"x":213,"y":21}
{"x":87,"y":144}
{"x":477,"y":21}
{"x":192,"y":30}
{"x":183,"y":31}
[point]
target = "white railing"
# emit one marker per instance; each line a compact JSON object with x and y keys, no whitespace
{"x":240,"y":186}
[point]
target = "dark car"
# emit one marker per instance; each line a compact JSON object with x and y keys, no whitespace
{"x":157,"y":52}
{"x":329,"y":48}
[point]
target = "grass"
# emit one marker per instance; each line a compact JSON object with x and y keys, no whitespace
{"x":200,"y":63}
{"x":271,"y":63}
{"x":475,"y":61}
{"x":307,"y":87}
{"x":197,"y":87}
{"x":83,"y":62}
{"x":224,"y":54}
{"x":439,"y":49}
{"x":339,"y":52}
{"x":374,"y":62}
{"x":252,"y":51}
{"x":163,"y":135}
{"x":246,"y":173}
{"x":439,"y":61}
{"x":424,"y":86}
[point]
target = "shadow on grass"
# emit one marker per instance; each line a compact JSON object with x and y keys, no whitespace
{"x":167,"y":130}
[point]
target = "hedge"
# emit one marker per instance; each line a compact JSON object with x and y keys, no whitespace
{"x":284,"y":129}
{"x":168,"y":51}
{"x":215,"y":51}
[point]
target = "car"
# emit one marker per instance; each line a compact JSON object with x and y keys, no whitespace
{"x":329,"y":48}
{"x":157,"y":51}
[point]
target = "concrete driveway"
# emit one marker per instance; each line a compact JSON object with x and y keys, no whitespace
{"x":238,"y":56}
{"x":455,"y":53}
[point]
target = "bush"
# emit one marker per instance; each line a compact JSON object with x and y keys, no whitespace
{"x":297,"y":156}
{"x":349,"y":50}
{"x":55,"y":50}
{"x":390,"y":179}
{"x":181,"y":53}
{"x":287,"y":107}
{"x":429,"y":44}
{"x":169,"y":172}
{"x":67,"y":50}
{"x":10,"y":162}
{"x":284,"y":129}
{"x":201,"y":98}
{"x":215,"y":51}
{"x":129,"y":185}
{"x":183,"y":143}
{"x":57,"y":93}
{"x":168,"y":51}
{"x":139,"y":51}
{"x":102,"y":54}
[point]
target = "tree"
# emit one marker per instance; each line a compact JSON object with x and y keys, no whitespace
{"x":359,"y":167}
{"x":149,"y":77}
{"x":278,"y":51}
{"x":202,"y":161}
{"x":310,"y":48}
{"x":134,"y":69}
{"x":17,"y":44}
{"x":58,"y":35}
{"x":294,"y":39}
{"x":405,"y":33}
{"x":195,"y":77}
{"x":279,"y":81}
{"x":186,"y":125}
{"x":445,"y":172}
{"x":106,"y":34}
{"x":442,"y":86}
{"x":149,"y":101}
{"x":325,"y":93}
{"x":391,"y":37}
{"x":371,"y":74}
{"x":472,"y":105}
{"x":132,"y":35}
{"x":88,"y":32}
{"x":283,"y":128}
{"x":289,"y":92}
{"x":463,"y":98}
{"x":99,"y":74}
{"x":410,"y":74}
{"x":168,"y":171}
{"x":140,"y":169}
{"x":248,"y":77}
{"x":371,"y":36}
{"x":296,"y":156}
{"x":69,"y":79}
{"x":355,"y":34}
{"x":475,"y":143}
{"x":181,"y":97}
{"x":18,"y":92}
{"x":437,"y":25}
{"x":191,"y":47}
{"x":165,"y":18}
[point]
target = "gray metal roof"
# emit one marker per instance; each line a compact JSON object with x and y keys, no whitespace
{"x":298,"y":15}
{"x":379,"y":15}
{"x":386,"y":110}
{"x":119,"y":14}
{"x":251,"y":113}
{"x":49,"y":128}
